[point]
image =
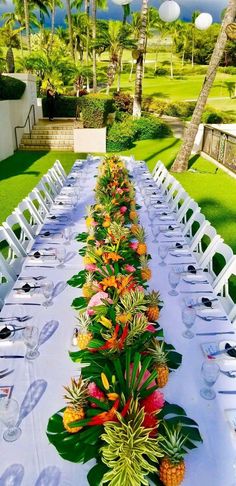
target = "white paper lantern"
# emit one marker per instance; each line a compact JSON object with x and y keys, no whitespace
{"x":203,"y":21}
{"x":122,"y":2}
{"x":169,"y":11}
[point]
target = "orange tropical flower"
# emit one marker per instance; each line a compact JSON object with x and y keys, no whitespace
{"x":109,"y":282}
{"x":112,"y":256}
{"x":125,"y":283}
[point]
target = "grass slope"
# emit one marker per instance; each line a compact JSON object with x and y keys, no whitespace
{"x":215,"y":193}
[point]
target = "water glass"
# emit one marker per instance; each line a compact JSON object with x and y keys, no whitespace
{"x":67,"y":235}
{"x":210,"y":371}
{"x":61,"y":255}
{"x":9,"y":412}
{"x":155,"y":232}
{"x":31,"y":336}
{"x":48,"y":288}
{"x":163,"y":252}
{"x":174,"y":278}
{"x":188,"y":318}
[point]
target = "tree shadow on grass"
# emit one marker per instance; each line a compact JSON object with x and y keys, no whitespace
{"x":18,"y":163}
{"x":155,"y":154}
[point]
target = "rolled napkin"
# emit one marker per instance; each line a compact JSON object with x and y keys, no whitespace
{"x":194,"y":277}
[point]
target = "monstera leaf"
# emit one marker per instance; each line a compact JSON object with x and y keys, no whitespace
{"x":175,"y":415}
{"x":78,"y":280}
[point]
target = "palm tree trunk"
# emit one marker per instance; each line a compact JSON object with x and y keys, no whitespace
{"x":181,"y":162}
{"x":94,"y":15}
{"x":137,"y":105}
{"x":193,"y":46}
{"x":68,"y":10}
{"x":52,"y":25}
{"x":27,"y":24}
{"x":87,"y":9}
{"x":156,"y":56}
{"x":171,"y":61}
{"x":131,"y":70}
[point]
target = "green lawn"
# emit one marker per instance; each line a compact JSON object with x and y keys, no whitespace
{"x":215,"y":193}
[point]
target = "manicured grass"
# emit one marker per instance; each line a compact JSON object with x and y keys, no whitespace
{"x":214,"y":192}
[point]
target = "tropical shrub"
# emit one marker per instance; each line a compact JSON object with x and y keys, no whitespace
{"x":123,"y":102}
{"x":95,"y":109}
{"x":150,"y":127}
{"x":65,"y":106}
{"x":181,"y":109}
{"x":120,"y":136}
{"x":11,"y":88}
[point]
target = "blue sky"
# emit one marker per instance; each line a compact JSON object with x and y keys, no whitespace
{"x":214,"y":7}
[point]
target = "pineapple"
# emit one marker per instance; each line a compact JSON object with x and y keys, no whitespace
{"x":84,"y":336}
{"x":160,"y":359}
{"x":153,"y":300}
{"x":76,"y":397}
{"x":146,"y":272}
{"x":172,"y":467}
{"x":140,"y":235}
{"x":87,"y":288}
{"x":134,"y":228}
{"x":133,"y":215}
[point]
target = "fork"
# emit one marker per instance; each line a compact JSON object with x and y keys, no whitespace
{"x":40,"y":277}
{"x":230,"y":374}
{"x":15,"y":318}
{"x":5,"y":372}
{"x":213,"y":318}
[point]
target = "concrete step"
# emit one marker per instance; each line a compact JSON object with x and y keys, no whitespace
{"x":34,"y":136}
{"x":46,"y":148}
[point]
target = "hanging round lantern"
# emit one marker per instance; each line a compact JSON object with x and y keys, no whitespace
{"x":169,"y":11}
{"x":203,"y":21}
{"x":231,"y":31}
{"x":122,"y":2}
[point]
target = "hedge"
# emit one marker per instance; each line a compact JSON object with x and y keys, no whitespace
{"x":65,"y":106}
{"x":11,"y":88}
{"x":95,"y":109}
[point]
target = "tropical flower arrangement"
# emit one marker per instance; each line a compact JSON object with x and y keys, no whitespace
{"x":115,"y":412}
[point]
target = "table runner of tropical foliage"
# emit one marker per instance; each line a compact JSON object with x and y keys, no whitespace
{"x":115,"y":412}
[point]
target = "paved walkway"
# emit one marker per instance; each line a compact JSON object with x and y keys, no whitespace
{"x":176,"y":124}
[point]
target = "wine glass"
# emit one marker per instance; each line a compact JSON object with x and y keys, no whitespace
{"x":174,"y":278}
{"x":48,"y":288}
{"x":9,"y":412}
{"x":155,"y":232}
{"x":31,"y":335}
{"x":61,"y":254}
{"x":163,"y":252}
{"x":188,"y":317}
{"x":210,"y":371}
{"x":67,"y":234}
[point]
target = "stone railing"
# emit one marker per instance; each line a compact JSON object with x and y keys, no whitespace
{"x":220,"y":145}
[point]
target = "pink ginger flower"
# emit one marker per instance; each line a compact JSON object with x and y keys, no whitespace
{"x":97,"y":298}
{"x":133,"y":245}
{"x":91,"y":267}
{"x":150,"y":328}
{"x":129,"y":268}
{"x":119,"y":190}
{"x":153,"y":402}
{"x":94,"y":223}
{"x":140,"y":288}
{"x":95,"y":392}
{"x":123,"y":209}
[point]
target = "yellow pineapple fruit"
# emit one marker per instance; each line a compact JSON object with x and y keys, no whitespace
{"x":133,"y":215}
{"x":124,"y":317}
{"x":134,"y":228}
{"x":84,"y":336}
{"x":139,"y":233}
{"x":146,"y":272}
{"x":76,"y":397}
{"x":172,"y":467}
{"x":153,"y":300}
{"x":87,"y":288}
{"x":160,"y":360}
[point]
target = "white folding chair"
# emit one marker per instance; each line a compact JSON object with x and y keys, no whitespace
{"x":17,"y":233}
{"x":222,"y":285}
{"x":6,"y":281}
{"x":188,"y":208}
{"x":46,"y":193}
{"x":159,"y":165}
{"x":204,"y":244}
{"x":174,"y":189}
{"x":29,"y":221}
{"x":56,"y":179}
{"x":39,"y":204}
{"x":193,"y":224}
{"x":178,"y":200}
{"x":50,"y":184}
{"x":168,"y":183}
{"x":160,"y":174}
{"x":11,"y":258}
{"x":60,"y":170}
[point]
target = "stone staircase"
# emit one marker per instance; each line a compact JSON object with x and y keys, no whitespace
{"x":55,"y":135}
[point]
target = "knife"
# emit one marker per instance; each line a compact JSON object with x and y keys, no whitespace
{"x":213,"y":333}
{"x":40,"y":266}
{"x":196,"y":291}
{"x":12,"y":356}
{"x":227,"y":392}
{"x":21,"y":303}
{"x":222,"y":351}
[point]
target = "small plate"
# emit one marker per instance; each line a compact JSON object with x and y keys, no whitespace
{"x":225,"y":358}
{"x":11,"y":328}
{"x":192,"y":277}
{"x":166,"y":217}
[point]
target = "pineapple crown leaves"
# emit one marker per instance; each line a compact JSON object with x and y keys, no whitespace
{"x":156,"y":350}
{"x":144,"y":260}
{"x":153,"y":298}
{"x":137,"y":326}
{"x":83,"y":320}
{"x":132,"y":302}
{"x":172,"y":442}
{"x":127,"y":447}
{"x":139,"y":233}
{"x":77,"y":393}
{"x":118,"y":230}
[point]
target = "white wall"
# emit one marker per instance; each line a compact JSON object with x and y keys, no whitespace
{"x":90,"y":140}
{"x":14,"y":113}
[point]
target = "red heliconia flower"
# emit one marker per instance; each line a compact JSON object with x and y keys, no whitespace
{"x":150,"y":422}
{"x":94,"y":391}
{"x":153,"y":402}
{"x":110,"y":415}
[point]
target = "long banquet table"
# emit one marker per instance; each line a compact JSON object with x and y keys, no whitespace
{"x":32,"y":460}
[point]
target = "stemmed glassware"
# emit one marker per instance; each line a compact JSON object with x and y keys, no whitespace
{"x":155,"y":232}
{"x":31,"y":335}
{"x":163,"y":252}
{"x":188,"y":318}
{"x":174,"y":279}
{"x":61,"y":254}
{"x":67,"y":234}
{"x":9,"y":412}
{"x":48,"y":288}
{"x":210,"y":371}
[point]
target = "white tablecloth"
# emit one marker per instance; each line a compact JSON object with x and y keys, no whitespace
{"x":210,"y":464}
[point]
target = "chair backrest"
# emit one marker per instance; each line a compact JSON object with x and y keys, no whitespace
{"x":225,"y":286}
{"x":158,"y":165}
{"x":56,"y":179}
{"x":11,"y":258}
{"x":46,"y":193}
{"x":193,"y":224}
{"x":167,"y":183}
{"x":176,"y":186}
{"x":60,"y":170}
{"x":204,"y":242}
{"x":39,"y":204}
{"x":28,"y":219}
{"x":52,"y":187}
{"x":17,"y":233}
{"x":160,"y":174}
{"x":178,"y":199}
{"x":6,"y":280}
{"x":220,"y":255}
{"x":188,"y":208}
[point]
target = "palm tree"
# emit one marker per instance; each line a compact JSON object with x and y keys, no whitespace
{"x":94,"y":32}
{"x":27,"y":24}
{"x":137,"y":105}
{"x":53,"y":5}
{"x":194,"y":16}
{"x":181,"y":162}
{"x":70,"y":26}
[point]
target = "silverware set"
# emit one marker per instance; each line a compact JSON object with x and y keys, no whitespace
{"x":5,"y":372}
{"x":16,"y":318}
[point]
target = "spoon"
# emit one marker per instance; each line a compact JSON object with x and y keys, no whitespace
{"x":6,"y":332}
